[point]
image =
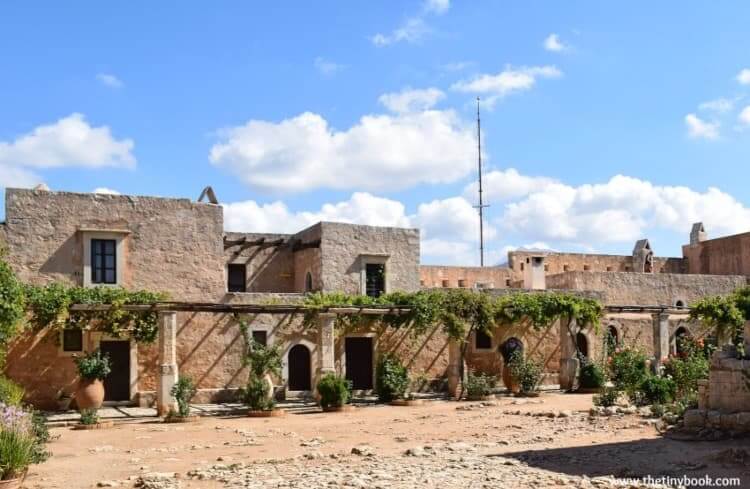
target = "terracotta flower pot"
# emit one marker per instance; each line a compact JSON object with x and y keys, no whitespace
{"x":16,"y":483}
{"x":90,"y":394}
{"x":510,"y":382}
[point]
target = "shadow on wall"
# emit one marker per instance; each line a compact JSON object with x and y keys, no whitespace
{"x":425,"y":356}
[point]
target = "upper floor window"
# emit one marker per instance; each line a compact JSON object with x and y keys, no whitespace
{"x":236,"y":277}
{"x":103,"y":261}
{"x":374,"y":279}
{"x":482,"y":341}
{"x":72,"y":340}
{"x":260,"y":337}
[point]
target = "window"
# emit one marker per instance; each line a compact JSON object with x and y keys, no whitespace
{"x":546,"y":268}
{"x":507,"y":282}
{"x":462,"y":283}
{"x":236,"y":278}
{"x":421,"y":283}
{"x":103,"y":261}
{"x":445,"y":283}
{"x":374,"y":279}
{"x":586,"y":268}
{"x":522,"y":267}
{"x":609,"y":269}
{"x":679,"y":303}
{"x":260,"y":337}
{"x":482,"y":341}
{"x":566,"y":268}
{"x":308,"y":282}
{"x":72,"y":340}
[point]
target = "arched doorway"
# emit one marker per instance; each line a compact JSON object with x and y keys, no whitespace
{"x":299,"y":368}
{"x":582,"y":345}
{"x":509,"y":347}
{"x":680,"y":335}
{"x":611,"y":339}
{"x":308,"y":282}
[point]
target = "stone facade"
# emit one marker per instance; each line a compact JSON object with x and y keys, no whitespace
{"x":434,"y":276}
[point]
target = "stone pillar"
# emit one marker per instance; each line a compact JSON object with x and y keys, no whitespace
{"x":747,"y":337}
{"x":661,"y":339}
{"x":568,"y":360}
{"x":167,"y":363}
{"x":454,"y":367}
{"x":326,"y":345}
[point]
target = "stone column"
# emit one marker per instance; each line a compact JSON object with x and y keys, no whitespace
{"x":747,"y":337}
{"x":454,"y":367}
{"x":568,"y":360}
{"x":661,"y":339}
{"x":326,"y":345}
{"x":167,"y":362}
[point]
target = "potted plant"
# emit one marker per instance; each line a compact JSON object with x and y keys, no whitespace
{"x":591,"y":379}
{"x":20,"y":446}
{"x":263,"y":361}
{"x":183,"y":391}
{"x":392,"y":382}
{"x":93,"y":368}
{"x":479,"y":386}
{"x":334,"y":392}
{"x":527,"y":373}
{"x":90,"y":421}
{"x":507,"y":350}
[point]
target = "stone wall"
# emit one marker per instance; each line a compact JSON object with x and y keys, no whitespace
{"x":434,"y":276}
{"x":269,"y":267}
{"x":307,"y":259}
{"x":722,"y":256}
{"x":647,"y":288}
{"x":345,"y":248}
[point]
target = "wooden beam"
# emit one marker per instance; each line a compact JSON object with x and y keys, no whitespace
{"x":220,"y":308}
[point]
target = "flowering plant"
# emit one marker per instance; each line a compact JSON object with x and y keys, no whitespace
{"x":20,"y":442}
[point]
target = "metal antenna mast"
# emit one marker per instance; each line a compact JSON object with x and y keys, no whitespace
{"x":481,"y":205}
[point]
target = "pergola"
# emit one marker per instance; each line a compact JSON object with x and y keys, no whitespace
{"x":167,"y":311}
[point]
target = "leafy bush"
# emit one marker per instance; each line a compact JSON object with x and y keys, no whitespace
{"x":41,"y":435}
{"x":255,"y":395}
{"x":592,"y":376}
{"x":12,"y":302}
{"x":658,"y":410}
{"x":628,"y":369}
{"x":10,"y":392}
{"x":20,"y":443}
{"x":93,"y":365}
{"x":657,"y":390}
{"x":334,"y":390}
{"x":262,"y":359}
{"x":89,"y":416}
{"x":526,"y":372}
{"x":183,"y":391}
{"x":687,"y":368}
{"x":391,"y":378}
{"x":607,"y":397}
{"x":479,"y":384}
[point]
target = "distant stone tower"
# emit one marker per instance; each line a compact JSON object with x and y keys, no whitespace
{"x":698,"y":233}
{"x":643,"y":257}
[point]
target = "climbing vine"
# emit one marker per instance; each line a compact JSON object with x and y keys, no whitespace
{"x":12,"y":304}
{"x":720,"y":313}
{"x":461,"y":310}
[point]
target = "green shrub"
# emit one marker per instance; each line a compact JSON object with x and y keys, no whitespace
{"x":263,"y":359}
{"x":334,"y":390}
{"x":255,"y":395}
{"x":526,"y":372}
{"x":41,"y":436}
{"x":17,"y":452}
{"x":10,"y":392}
{"x":687,"y":368}
{"x":391,"y":378}
{"x":657,"y":390}
{"x":89,"y":416}
{"x":12,"y":302}
{"x":93,"y":365}
{"x":607,"y":397}
{"x":479,"y":384}
{"x":183,"y":391}
{"x":658,"y":410}
{"x":628,"y":369}
{"x":592,"y":376}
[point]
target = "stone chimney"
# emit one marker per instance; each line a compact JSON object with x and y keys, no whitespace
{"x":533,"y":274}
{"x":698,"y":233}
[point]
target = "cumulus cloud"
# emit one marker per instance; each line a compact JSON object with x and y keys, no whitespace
{"x":510,"y":80}
{"x":719,"y":105}
{"x":744,"y":116}
{"x":437,"y":6}
{"x":410,"y":100}
{"x":109,"y":80}
{"x":503,"y":185}
{"x":326,"y":67}
{"x":414,"y":29}
{"x":620,"y":210}
{"x":554,"y":44}
{"x":453,"y":218}
{"x":743,"y":77}
{"x":105,"y":190}
{"x":699,"y":129}
{"x":378,"y":152}
{"x":69,"y":142}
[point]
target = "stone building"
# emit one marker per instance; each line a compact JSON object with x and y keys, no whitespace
{"x":179,"y":247}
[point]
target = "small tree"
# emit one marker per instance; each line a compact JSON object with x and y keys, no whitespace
{"x":334,"y":390}
{"x":183,"y":391}
{"x":262,"y":360}
{"x":391,"y":378}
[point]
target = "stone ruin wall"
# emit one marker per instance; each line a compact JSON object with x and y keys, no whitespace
{"x":721,"y":256}
{"x":437,"y":276}
{"x":269,"y":268}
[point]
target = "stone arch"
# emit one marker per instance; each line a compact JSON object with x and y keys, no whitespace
{"x":680,"y":333}
{"x":582,"y":344}
{"x":299,"y":368}
{"x":510,"y":346}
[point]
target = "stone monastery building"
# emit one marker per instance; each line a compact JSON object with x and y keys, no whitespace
{"x":180,"y":247}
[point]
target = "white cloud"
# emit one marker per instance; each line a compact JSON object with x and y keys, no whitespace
{"x":554,"y":44}
{"x":700,"y":129}
{"x":453,"y":218}
{"x":413,"y":30}
{"x":620,"y":210}
{"x":437,"y":6}
{"x":502,"y":185}
{"x":380,"y":152}
{"x":326,"y":67}
{"x":744,"y":116}
{"x":508,"y":81}
{"x":69,"y":142}
{"x":410,"y":100}
{"x":743,"y":77}
{"x":105,"y":190}
{"x":457,"y":66}
{"x":109,"y":80}
{"x":719,"y":105}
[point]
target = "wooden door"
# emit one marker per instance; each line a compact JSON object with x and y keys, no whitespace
{"x":117,"y":383}
{"x":359,"y":362}
{"x":299,"y":368}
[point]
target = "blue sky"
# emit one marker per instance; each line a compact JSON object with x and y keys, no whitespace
{"x":602,"y":123}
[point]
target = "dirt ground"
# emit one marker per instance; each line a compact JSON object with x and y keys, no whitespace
{"x":571,"y":445}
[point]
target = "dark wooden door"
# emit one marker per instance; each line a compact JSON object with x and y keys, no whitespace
{"x":299,"y":368}
{"x":359,"y":362}
{"x":117,"y":383}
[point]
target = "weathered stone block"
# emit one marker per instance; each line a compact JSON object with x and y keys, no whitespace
{"x":713,"y":419}
{"x":694,"y":418}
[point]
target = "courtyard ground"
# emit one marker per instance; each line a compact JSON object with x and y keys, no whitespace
{"x":549,"y":441}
